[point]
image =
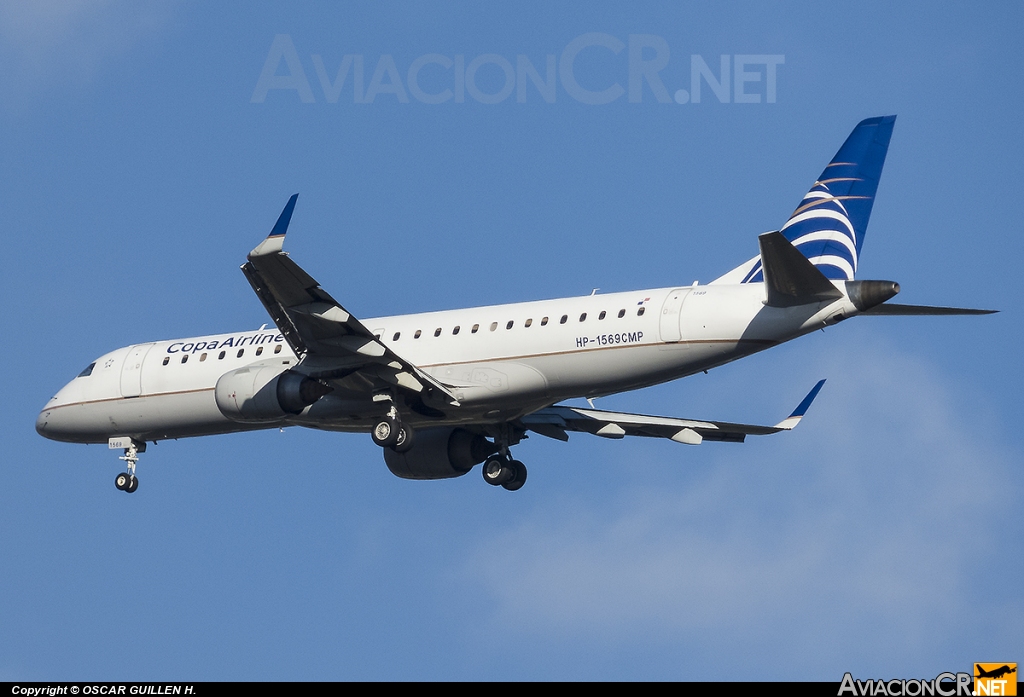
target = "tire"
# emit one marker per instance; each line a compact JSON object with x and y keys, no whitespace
{"x":385,"y":432}
{"x":121,"y":481}
{"x":132,"y":486}
{"x":405,"y":439}
{"x":496,"y":471}
{"x":518,"y":476}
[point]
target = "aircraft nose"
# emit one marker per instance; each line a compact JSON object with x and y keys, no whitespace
{"x":57,"y":422}
{"x":49,"y":424}
{"x":43,"y":423}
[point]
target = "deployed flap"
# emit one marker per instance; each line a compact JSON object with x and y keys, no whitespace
{"x":789,"y":278}
{"x":320,"y":330}
{"x":555,"y":421}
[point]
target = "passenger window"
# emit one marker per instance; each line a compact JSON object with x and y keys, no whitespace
{"x":456,"y":330}
{"x":184,"y":359}
{"x":259,"y":350}
{"x":529,"y":322}
{"x":583,"y":317}
{"x":203,"y":357}
{"x":88,"y":371}
{"x":277,"y":349}
{"x":167,"y":359}
{"x":543,"y":321}
{"x":509,"y":325}
{"x":417,"y":334}
{"x":437,"y":332}
{"x":622,"y":313}
{"x":240,"y":352}
{"x":640,"y":312}
{"x":395,"y":337}
{"x":220,"y":356}
{"x":476,"y":328}
{"x":601,"y":316}
{"x":565,"y":318}
{"x":494,"y":325}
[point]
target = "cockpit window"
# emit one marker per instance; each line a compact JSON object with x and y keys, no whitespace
{"x":88,"y":371}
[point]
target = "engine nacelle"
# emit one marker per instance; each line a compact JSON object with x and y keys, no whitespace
{"x":257,"y":393}
{"x":440,"y":453}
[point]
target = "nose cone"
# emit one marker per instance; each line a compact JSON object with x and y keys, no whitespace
{"x":57,"y":419}
{"x":43,"y":427}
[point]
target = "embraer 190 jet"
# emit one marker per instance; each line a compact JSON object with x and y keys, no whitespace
{"x":441,"y":392}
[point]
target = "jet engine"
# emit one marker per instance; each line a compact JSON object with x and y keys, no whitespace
{"x":440,"y":453}
{"x":257,"y":394}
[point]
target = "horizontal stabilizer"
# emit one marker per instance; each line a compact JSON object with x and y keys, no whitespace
{"x":789,"y":278}
{"x":895,"y":310}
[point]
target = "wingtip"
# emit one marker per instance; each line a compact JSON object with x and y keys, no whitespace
{"x":274,"y":242}
{"x":281,"y":226}
{"x":790,"y":422}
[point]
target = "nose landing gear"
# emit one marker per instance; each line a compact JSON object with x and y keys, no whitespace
{"x":127,"y":481}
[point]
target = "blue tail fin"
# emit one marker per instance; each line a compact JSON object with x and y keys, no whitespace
{"x":829,"y":224}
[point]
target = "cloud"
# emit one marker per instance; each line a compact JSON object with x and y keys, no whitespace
{"x":48,"y":41}
{"x":857,"y":543}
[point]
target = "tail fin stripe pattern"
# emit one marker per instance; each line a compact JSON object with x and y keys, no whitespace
{"x":822,"y":198}
{"x":832,"y":260}
{"x":829,"y":224}
{"x":818,"y":213}
{"x":839,"y":179}
{"x":827,"y":235}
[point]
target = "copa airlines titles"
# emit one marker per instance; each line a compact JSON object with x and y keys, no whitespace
{"x":230,"y":342}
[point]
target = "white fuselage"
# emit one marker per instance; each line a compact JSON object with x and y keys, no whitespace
{"x":501,"y":361}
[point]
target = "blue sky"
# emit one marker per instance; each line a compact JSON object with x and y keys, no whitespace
{"x":883,"y":537}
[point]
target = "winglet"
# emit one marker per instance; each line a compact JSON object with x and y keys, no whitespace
{"x":275,"y":240}
{"x":790,"y":422}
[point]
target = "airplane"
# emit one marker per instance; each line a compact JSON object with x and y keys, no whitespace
{"x":995,"y":673}
{"x":441,"y":392}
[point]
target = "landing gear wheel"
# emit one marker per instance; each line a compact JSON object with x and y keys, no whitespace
{"x":405,"y":438}
{"x":385,"y":432}
{"x":126,"y":481}
{"x":497,"y":471}
{"x":518,"y":476}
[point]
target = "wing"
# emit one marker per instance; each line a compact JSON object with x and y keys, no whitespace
{"x":555,"y":421}
{"x":331,"y":343}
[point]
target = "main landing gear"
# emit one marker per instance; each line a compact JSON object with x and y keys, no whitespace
{"x":390,"y":432}
{"x":502,"y":470}
{"x":127,"y":481}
